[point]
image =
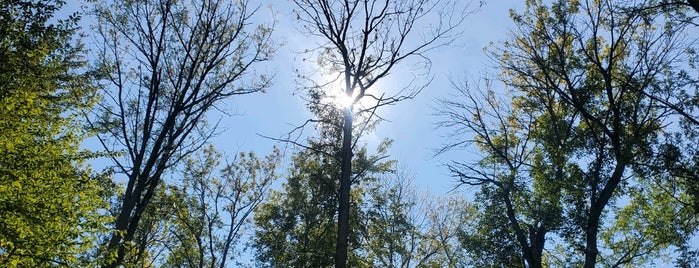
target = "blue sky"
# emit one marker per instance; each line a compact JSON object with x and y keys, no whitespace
{"x":411,"y":123}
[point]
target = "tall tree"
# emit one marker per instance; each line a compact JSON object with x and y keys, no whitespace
{"x":448,"y":215}
{"x":295,"y":226}
{"x":394,"y":226}
{"x":594,"y":94}
{"x":361,"y":43}
{"x":694,"y":4}
{"x":167,"y":62}
{"x":671,"y":4}
{"x":50,"y":200}
{"x":511,"y":231}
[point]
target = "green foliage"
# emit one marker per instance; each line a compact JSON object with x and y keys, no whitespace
{"x":596,"y":94}
{"x":165,"y":65}
{"x":202,"y":221}
{"x":50,"y":201}
{"x":654,"y":218}
{"x":393,"y":224}
{"x":489,"y":241}
{"x":297,"y":226}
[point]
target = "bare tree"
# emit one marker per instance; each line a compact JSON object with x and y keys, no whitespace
{"x":167,"y":62}
{"x":447,"y":217}
{"x":362,"y":41}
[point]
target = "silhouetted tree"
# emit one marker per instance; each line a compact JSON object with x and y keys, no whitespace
{"x":362,"y":41}
{"x":167,"y":62}
{"x":594,"y":92}
{"x":201,"y":220}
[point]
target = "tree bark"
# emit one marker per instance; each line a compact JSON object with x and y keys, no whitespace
{"x":597,"y":206}
{"x":120,"y":227}
{"x":345,"y":184}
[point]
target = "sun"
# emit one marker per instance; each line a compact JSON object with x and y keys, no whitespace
{"x":345,"y":101}
{"x":335,"y":93}
{"x":340,"y":99}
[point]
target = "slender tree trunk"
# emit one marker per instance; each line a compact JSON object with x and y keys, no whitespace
{"x":124,"y":231}
{"x":127,"y":222}
{"x":345,"y":184}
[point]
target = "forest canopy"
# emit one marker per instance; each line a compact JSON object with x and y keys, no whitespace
{"x":221,"y":133}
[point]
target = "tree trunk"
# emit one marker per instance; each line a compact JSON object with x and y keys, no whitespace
{"x":127,"y":222}
{"x":591,"y":250}
{"x":531,"y":255}
{"x":537,"y":239}
{"x":120,"y":227}
{"x":597,"y":206}
{"x":345,"y":184}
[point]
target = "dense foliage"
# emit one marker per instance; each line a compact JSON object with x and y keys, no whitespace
{"x":50,"y":200}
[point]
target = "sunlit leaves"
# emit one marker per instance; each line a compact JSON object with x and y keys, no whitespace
{"x":50,"y":201}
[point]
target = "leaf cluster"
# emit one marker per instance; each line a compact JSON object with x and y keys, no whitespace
{"x":51,"y":202}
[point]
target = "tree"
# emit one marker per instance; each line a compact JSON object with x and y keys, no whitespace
{"x":678,"y":6}
{"x":694,"y":4}
{"x":167,"y":63}
{"x":394,"y":227}
{"x":594,"y":92}
{"x":398,"y":227}
{"x":295,"y":226}
{"x":50,"y":200}
{"x":362,"y":41}
{"x":201,"y":221}
{"x":448,"y":216}
{"x":508,"y":233}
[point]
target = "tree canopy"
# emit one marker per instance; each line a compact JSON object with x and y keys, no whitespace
{"x":50,"y":200}
{"x":570,"y":156}
{"x":576,"y":147}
